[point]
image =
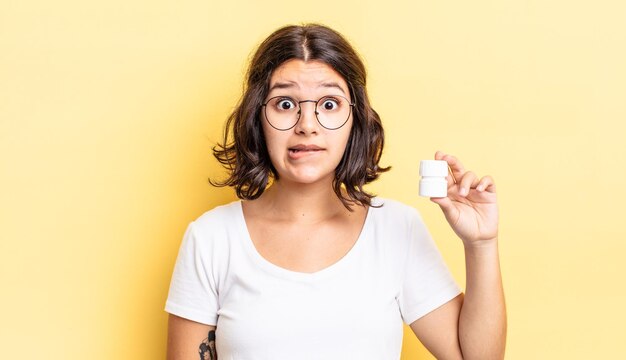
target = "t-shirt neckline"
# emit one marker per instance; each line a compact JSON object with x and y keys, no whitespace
{"x":297,"y":275}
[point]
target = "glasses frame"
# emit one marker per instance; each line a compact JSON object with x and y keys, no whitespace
{"x":316,"y":102}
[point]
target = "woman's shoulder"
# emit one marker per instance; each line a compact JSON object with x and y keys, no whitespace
{"x":392,"y":208}
{"x":219,"y":217}
{"x":395,"y":224}
{"x":395,"y":215}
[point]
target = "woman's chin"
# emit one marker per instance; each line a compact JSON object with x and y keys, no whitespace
{"x":308,"y":178}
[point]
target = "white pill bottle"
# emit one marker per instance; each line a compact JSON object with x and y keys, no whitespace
{"x":433,"y":182}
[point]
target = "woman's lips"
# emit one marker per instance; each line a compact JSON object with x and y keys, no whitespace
{"x":298,"y":152}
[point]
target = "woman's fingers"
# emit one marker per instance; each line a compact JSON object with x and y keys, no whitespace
{"x":486,"y":184}
{"x":468,"y":181}
{"x":465,"y":180}
{"x":456,"y":168}
{"x":445,"y":203}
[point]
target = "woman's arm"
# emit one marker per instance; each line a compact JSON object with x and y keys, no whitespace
{"x":474,"y":325}
{"x":187,"y":340}
{"x":482,"y":322}
{"x":470,"y":326}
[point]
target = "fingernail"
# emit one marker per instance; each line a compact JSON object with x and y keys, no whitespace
{"x":480,"y":188}
{"x":463,"y":191}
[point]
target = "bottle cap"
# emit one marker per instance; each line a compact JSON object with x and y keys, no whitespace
{"x":434,"y":168}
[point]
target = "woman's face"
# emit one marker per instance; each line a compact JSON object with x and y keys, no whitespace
{"x":307,"y":152}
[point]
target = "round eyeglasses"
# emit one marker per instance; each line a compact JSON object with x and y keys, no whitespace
{"x":283,"y":112}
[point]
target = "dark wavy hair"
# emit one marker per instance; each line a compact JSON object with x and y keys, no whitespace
{"x":245,"y":155}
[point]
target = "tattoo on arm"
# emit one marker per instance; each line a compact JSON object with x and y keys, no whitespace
{"x":207,"y":347}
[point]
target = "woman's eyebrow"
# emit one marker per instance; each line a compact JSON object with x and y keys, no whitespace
{"x":284,"y":85}
{"x":332,"y":85}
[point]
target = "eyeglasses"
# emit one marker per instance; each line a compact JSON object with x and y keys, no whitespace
{"x":283,"y":112}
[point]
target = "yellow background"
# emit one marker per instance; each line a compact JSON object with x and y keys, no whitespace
{"x":108,"y":111}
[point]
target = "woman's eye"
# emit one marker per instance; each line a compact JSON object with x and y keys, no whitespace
{"x":330,"y":104}
{"x":286,"y":104}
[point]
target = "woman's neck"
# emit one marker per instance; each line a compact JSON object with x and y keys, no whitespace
{"x":308,"y":203}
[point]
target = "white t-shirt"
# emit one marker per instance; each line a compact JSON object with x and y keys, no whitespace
{"x":352,"y":309}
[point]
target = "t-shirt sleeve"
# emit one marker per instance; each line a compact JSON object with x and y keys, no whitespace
{"x":193,"y":294}
{"x":427,"y":282}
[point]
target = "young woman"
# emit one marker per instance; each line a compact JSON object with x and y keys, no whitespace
{"x":307,"y":265}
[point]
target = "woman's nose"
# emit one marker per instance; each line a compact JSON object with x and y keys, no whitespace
{"x":308,"y":118}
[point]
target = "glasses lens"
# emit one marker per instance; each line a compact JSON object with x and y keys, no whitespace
{"x":282,"y":112}
{"x":333,"y":111}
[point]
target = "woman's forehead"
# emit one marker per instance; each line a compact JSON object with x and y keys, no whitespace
{"x":310,"y":75}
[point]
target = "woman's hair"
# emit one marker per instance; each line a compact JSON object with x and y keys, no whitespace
{"x":246,"y":156}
